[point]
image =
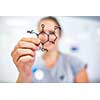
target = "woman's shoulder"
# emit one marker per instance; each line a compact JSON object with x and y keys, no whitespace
{"x":70,"y":58}
{"x":75,"y":62}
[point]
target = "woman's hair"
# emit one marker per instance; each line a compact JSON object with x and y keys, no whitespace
{"x":53,"y":19}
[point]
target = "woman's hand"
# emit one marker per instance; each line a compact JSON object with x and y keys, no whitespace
{"x":23,"y":56}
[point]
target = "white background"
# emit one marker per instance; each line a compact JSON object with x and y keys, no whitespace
{"x":52,"y":91}
{"x":40,"y":91}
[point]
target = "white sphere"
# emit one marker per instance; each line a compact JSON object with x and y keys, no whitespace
{"x":39,"y":74}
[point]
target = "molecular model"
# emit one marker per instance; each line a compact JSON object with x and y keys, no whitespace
{"x":45,"y":37}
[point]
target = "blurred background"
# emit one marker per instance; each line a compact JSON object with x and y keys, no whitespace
{"x":81,"y":37}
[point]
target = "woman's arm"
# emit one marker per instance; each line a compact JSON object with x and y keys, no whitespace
{"x":24,"y":79}
{"x":82,"y":76}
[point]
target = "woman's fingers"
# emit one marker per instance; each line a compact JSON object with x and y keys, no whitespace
{"x":25,"y":63}
{"x":29,"y":43}
{"x":35,"y":41}
{"x":22,"y":52}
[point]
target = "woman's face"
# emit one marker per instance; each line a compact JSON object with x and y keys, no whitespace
{"x":49,"y":27}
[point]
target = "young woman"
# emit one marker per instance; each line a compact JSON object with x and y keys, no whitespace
{"x":56,"y":66}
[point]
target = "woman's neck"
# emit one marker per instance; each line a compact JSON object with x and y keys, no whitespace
{"x":50,"y":58}
{"x":51,"y":54}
